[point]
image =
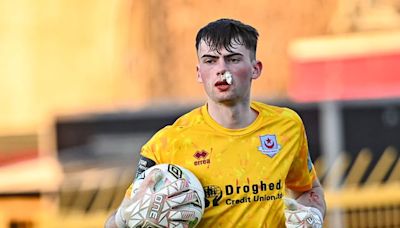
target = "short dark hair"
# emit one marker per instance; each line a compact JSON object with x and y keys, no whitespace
{"x":220,"y":33}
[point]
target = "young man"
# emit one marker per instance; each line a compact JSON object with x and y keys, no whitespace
{"x":247,"y":155}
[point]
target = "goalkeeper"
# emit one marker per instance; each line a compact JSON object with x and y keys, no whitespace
{"x":251,"y":158}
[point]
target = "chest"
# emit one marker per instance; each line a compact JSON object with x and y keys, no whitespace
{"x":261,"y":157}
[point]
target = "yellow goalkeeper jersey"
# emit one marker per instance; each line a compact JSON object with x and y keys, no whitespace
{"x":244,"y":172}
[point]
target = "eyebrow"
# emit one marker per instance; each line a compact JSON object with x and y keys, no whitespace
{"x":226,"y":56}
{"x":209,"y":56}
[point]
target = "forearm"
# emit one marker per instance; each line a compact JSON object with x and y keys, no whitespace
{"x":313,"y":198}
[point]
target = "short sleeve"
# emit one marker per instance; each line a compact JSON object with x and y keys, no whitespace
{"x":302,"y":173}
{"x":147,"y":152}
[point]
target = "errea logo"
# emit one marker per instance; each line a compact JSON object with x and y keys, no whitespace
{"x":201,"y":157}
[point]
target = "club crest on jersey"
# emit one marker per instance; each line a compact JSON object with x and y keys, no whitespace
{"x":269,"y":145}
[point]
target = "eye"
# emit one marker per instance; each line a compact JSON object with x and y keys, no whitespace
{"x":234,"y":60}
{"x":209,"y":61}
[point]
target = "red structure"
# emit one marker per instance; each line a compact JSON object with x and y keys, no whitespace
{"x":346,"y":68}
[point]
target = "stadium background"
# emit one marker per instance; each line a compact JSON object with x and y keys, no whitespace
{"x":83,"y":84}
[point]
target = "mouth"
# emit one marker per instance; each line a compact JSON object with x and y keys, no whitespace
{"x":223,"y":82}
{"x":222,"y":85}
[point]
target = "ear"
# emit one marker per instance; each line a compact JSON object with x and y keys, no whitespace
{"x":199,"y":79}
{"x":257,"y":68}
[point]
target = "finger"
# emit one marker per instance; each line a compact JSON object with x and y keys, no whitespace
{"x":184,"y":198}
{"x":178,"y":224}
{"x":175,"y":187}
{"x":291,"y":204}
{"x":181,"y":215}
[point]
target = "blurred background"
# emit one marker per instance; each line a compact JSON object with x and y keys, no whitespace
{"x":84,"y":84}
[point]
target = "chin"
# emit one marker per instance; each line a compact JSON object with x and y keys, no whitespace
{"x":225,"y":100}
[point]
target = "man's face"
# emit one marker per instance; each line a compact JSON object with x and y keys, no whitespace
{"x":213,"y":64}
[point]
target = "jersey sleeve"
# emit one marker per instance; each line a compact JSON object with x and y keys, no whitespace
{"x":148,"y":153}
{"x":302,"y":173}
{"x":159,"y":145}
{"x":149,"y":156}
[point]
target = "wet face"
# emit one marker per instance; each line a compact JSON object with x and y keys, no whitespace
{"x":213,"y":64}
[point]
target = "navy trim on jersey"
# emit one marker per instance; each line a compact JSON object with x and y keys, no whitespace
{"x":143,"y":164}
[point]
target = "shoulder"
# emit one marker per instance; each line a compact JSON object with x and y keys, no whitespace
{"x":281,"y":113}
{"x":189,"y":119}
{"x":184,"y":122}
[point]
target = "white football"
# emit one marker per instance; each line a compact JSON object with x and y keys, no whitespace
{"x":172,"y":173}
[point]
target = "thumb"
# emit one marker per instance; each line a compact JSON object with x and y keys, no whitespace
{"x":147,"y":185}
{"x":291,"y":204}
{"x":152,"y":179}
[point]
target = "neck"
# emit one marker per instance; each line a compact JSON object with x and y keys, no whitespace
{"x":232,"y":116}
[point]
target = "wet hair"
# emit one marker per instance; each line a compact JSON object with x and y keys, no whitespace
{"x":224,"y":32}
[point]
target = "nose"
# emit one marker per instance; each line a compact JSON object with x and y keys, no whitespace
{"x":222,"y":68}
